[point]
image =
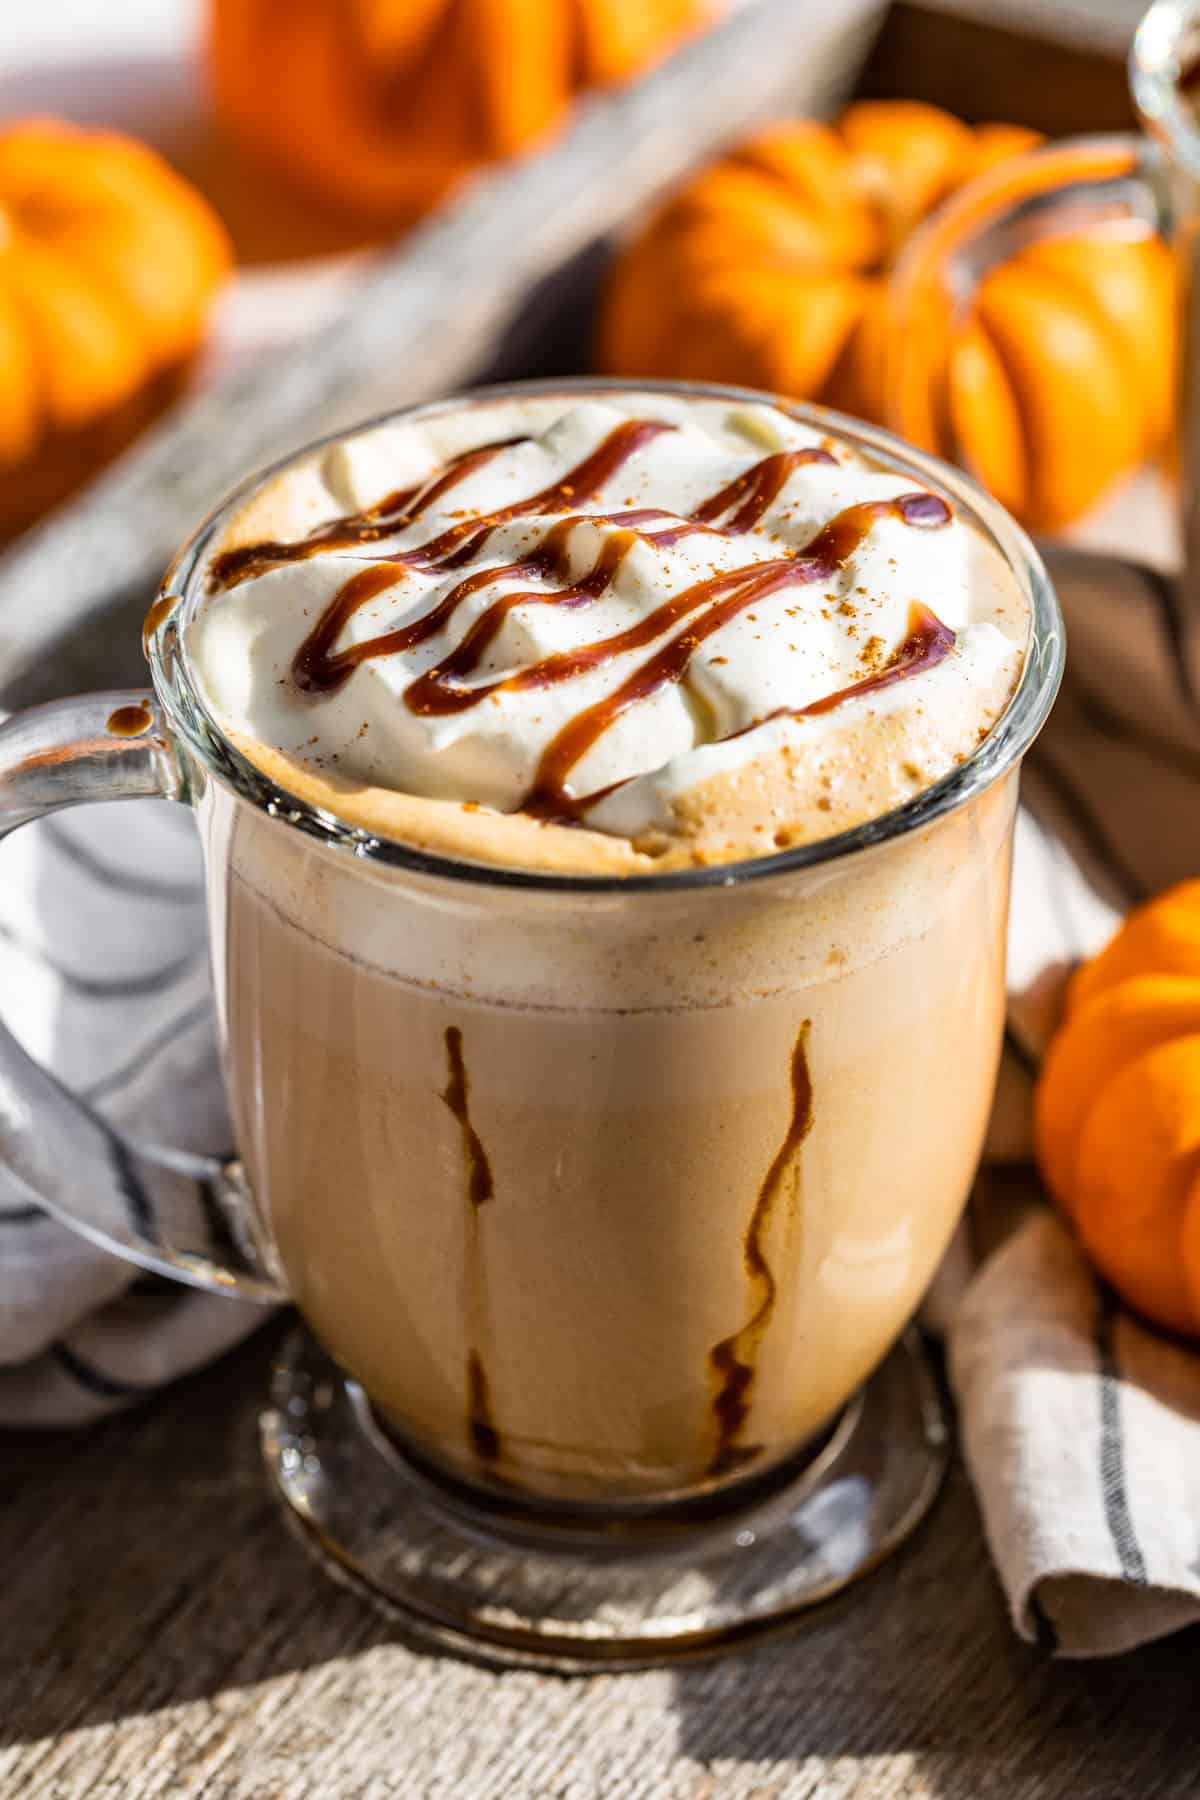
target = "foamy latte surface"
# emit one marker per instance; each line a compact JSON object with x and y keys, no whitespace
{"x":619,"y":633}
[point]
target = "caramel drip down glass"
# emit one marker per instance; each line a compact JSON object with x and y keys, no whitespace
{"x":606,"y":1202}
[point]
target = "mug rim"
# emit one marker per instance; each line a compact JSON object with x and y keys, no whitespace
{"x":1003,"y":746}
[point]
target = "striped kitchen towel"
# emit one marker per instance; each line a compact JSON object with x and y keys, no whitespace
{"x":1081,"y":1427}
{"x":104,"y":978}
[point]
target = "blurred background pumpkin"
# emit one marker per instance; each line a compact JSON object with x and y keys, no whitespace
{"x":383,"y":105}
{"x":772,"y":268}
{"x":108,"y":264}
{"x":1118,"y":1109}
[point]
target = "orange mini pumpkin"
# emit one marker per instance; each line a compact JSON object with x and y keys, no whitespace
{"x":771,"y":268}
{"x":1117,"y":1112}
{"x":108,"y":262}
{"x":383,"y":105}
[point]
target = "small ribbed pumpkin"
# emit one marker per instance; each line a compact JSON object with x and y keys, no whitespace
{"x":771,"y":268}
{"x":108,"y":263}
{"x":1117,"y":1113}
{"x":384,"y":105}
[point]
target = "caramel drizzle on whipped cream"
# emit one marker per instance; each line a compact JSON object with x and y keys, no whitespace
{"x":319,"y":667}
{"x":464,"y":539}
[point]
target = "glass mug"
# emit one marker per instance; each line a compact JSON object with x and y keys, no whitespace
{"x":1118,"y":185}
{"x":607,"y":1195}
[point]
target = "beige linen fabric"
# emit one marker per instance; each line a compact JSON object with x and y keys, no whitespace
{"x":1080,"y":1424}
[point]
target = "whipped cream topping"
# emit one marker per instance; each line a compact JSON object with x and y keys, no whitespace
{"x":628,"y":596}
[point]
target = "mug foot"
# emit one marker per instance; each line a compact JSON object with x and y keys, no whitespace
{"x":520,"y":1591}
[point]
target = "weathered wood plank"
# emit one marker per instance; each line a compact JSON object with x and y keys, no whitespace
{"x":161,"y":1635}
{"x":428,"y":314}
{"x":163,"y":1638}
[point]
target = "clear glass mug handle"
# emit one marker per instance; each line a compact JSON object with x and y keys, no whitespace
{"x":1118,"y":185}
{"x":182,"y":1215}
{"x":1127,"y":186}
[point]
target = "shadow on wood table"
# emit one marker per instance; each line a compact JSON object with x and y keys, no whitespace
{"x":146,"y":1563}
{"x":161,"y":1634}
{"x":923,"y":1661}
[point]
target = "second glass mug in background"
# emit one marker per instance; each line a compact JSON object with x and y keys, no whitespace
{"x":608,"y":1194}
{"x":1115,"y":184}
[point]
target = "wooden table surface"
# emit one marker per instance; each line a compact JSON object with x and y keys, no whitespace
{"x":162,"y":1634}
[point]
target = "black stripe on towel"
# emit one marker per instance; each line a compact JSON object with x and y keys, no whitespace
{"x":86,"y":1375}
{"x":20,"y":1215}
{"x":1096,"y":711}
{"x":223,"y":1245}
{"x":1165,"y":594}
{"x":131,"y":1185}
{"x":1112,"y":1447}
{"x":102,"y":987}
{"x":154,"y":1046}
{"x":1080,"y":816}
{"x":121,"y":881}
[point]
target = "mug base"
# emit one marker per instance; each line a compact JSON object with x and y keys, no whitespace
{"x":461,"y":1575}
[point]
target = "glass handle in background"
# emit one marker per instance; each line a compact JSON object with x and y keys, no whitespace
{"x":180,"y":1214}
{"x":1114,"y":185}
{"x":1123,"y":187}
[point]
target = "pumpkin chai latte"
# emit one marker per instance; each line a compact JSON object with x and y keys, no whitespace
{"x":607,"y":1181}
